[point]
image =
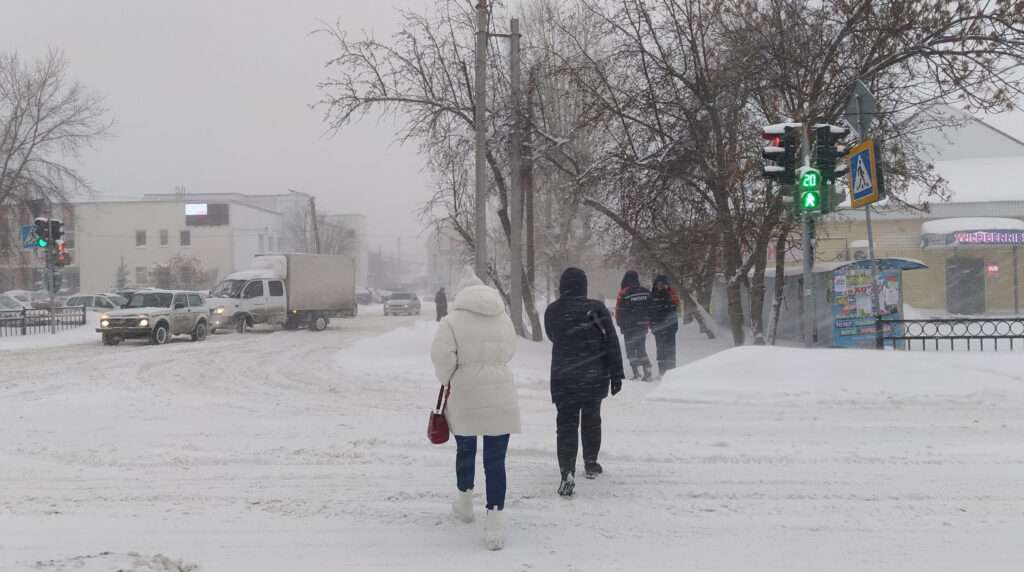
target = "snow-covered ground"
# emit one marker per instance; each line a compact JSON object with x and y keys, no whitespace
{"x":307,"y":451}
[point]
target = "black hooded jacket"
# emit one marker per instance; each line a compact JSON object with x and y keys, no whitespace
{"x":664,"y":306}
{"x":586,"y":356}
{"x":632,"y":310}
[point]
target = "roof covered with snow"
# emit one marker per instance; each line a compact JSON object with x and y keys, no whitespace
{"x":951,"y":225}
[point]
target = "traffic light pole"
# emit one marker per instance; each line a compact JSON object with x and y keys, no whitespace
{"x":808,"y":293}
{"x":876,"y":308}
{"x":51,"y":281}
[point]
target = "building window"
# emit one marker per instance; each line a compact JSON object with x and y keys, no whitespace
{"x":163,"y":237}
{"x":141,"y":276}
{"x":186,"y":238}
{"x":140,"y":238}
{"x":261,"y":245}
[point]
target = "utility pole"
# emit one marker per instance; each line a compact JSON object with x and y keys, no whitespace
{"x":808,"y":222}
{"x":516,"y":253}
{"x":480,"y":120}
{"x":316,"y":226}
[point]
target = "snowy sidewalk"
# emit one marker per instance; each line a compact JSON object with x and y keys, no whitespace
{"x":279,"y":452}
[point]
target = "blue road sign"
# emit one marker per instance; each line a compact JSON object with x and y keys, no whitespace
{"x":27,"y":241}
{"x":865,"y":187}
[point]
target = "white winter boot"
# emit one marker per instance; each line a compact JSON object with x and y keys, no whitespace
{"x":462,"y":506}
{"x":494,"y":529}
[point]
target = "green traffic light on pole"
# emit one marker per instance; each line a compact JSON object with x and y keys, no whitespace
{"x":41,"y":242}
{"x":810,"y":193}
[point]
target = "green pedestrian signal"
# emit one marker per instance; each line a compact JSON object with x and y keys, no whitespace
{"x":41,"y":242}
{"x":810,"y":200}
{"x":810,"y":189}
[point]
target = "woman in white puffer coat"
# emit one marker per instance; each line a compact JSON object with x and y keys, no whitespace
{"x":471,"y":352}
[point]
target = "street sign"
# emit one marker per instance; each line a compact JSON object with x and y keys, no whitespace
{"x":860,"y":109}
{"x":865,"y":188}
{"x":28,"y":241}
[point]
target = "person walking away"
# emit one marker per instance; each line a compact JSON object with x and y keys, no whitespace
{"x":631,"y":313}
{"x":471,"y":352}
{"x":664,"y":322}
{"x":441,"y":304}
{"x":585,"y":362}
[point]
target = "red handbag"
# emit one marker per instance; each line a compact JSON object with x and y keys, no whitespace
{"x":437,"y":426}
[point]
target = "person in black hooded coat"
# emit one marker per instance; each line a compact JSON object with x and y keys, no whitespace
{"x":632,"y":313}
{"x":664,"y":307}
{"x":585,"y":362}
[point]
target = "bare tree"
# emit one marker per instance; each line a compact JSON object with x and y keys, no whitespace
{"x":45,"y":120}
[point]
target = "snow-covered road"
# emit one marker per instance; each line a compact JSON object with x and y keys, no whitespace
{"x":306,"y":451}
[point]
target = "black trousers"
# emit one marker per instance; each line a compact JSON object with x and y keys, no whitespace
{"x":584,"y":420}
{"x":666,"y":342}
{"x":636,"y":347}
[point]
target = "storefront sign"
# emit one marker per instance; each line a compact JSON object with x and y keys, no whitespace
{"x":989,"y":237}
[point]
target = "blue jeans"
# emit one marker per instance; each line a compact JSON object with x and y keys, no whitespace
{"x":494,"y":466}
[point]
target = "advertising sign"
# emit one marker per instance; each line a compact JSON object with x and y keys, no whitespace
{"x":853,"y":323}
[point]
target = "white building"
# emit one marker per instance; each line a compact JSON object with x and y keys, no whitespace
{"x":221,"y":236}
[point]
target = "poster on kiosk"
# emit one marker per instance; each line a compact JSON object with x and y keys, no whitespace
{"x":853,"y":321}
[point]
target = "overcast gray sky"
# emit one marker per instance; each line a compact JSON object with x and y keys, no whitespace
{"x":213,"y":95}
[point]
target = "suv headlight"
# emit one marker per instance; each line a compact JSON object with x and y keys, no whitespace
{"x":143,"y":323}
{"x":219,"y":311}
{"x":104,"y":323}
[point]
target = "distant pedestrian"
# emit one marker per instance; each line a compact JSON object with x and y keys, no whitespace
{"x":665,"y":322}
{"x":632,"y":315}
{"x":585,"y":362}
{"x":441,"y":303}
{"x":471,"y":351}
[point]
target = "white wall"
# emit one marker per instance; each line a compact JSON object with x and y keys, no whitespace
{"x":105,"y":232}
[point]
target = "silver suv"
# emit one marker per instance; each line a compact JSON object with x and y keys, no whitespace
{"x":157,"y":315}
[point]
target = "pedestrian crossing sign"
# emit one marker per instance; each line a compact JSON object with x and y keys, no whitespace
{"x":865,"y":186}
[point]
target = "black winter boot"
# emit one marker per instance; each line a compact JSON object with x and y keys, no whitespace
{"x":592,"y":469}
{"x":568,"y":484}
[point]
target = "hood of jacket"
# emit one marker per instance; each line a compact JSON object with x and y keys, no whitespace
{"x":630,"y":279}
{"x":573,"y":283}
{"x":474,"y":296}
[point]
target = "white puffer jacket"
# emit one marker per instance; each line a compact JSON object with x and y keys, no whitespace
{"x":471,"y":351}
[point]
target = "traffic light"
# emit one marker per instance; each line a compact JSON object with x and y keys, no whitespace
{"x":56,"y":230}
{"x":42,"y":232}
{"x":63,"y":256}
{"x":809,"y":195}
{"x":828,"y":149}
{"x":783,"y":142}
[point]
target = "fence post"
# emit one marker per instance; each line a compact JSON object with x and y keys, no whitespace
{"x":24,"y":330}
{"x":879,"y":340}
{"x":83,"y":315}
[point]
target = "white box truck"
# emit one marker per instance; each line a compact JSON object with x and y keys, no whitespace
{"x":287,"y":290}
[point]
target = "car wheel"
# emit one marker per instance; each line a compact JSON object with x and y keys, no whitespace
{"x":319,"y":323}
{"x":199,"y":334}
{"x":160,"y":334}
{"x":213,"y":330}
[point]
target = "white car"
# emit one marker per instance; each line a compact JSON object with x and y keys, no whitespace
{"x":101,"y":302}
{"x":157,"y":315}
{"x":8,"y":302}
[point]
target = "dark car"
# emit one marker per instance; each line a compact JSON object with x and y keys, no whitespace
{"x":402,"y":303}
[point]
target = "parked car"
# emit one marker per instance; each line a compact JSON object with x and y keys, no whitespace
{"x":8,"y":302}
{"x":101,"y":302}
{"x":157,"y":315}
{"x":364,"y":297}
{"x":22,"y":296}
{"x":402,"y":303}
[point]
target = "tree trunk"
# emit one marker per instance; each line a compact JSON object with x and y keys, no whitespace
{"x":780,"y":281}
{"x":757,"y":292}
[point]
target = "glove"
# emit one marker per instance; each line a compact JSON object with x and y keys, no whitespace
{"x":616,"y":386}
